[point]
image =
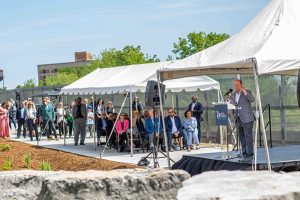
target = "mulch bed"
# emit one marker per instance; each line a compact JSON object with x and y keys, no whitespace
{"x":59,"y":160}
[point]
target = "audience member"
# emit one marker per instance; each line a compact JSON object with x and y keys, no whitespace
{"x":137,"y":105}
{"x":173,"y":128}
{"x":32,"y":121}
{"x":197,"y":109}
{"x":69,"y":117}
{"x":190,"y":130}
{"x":79,"y":116}
{"x":21,"y":119}
{"x":4,"y":117}
{"x":90,"y":123}
{"x":152,"y":129}
{"x":61,"y":120}
{"x":122,"y":127}
{"x":110,"y":108}
{"x":48,"y":117}
{"x":101,"y":127}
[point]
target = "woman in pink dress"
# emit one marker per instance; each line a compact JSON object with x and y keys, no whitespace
{"x":4,"y":117}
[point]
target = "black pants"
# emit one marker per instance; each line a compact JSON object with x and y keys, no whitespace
{"x":12,"y":121}
{"x":32,"y":127}
{"x":62,"y":128}
{"x":70,"y":127}
{"x":21,"y":123}
{"x":50,"y":127}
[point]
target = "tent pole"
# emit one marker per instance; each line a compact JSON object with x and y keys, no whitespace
{"x":114,"y":126}
{"x":256,"y":133}
{"x":255,"y":70}
{"x":95,"y":127}
{"x":130,"y":110}
{"x":64,"y":130}
{"x":172,"y":100}
{"x":163,"y":121}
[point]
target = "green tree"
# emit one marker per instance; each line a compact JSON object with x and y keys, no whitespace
{"x":29,"y":83}
{"x":195,"y":42}
{"x":60,"y":79}
{"x":129,"y":55}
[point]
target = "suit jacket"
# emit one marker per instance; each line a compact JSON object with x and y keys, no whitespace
{"x":121,"y":129}
{"x":198,"y":111}
{"x":150,"y":125}
{"x":245,"y":112}
{"x":47,"y":112}
{"x":169,"y":124}
{"x":82,"y":110}
{"x":100,"y":124}
{"x":18,"y":114}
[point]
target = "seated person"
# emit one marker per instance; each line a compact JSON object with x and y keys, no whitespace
{"x":190,"y":130}
{"x":109,"y":130}
{"x":152,"y":129}
{"x":101,"y":126}
{"x":122,"y":127}
{"x":173,"y":128}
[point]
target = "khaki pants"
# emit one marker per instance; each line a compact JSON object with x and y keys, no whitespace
{"x":80,"y":129}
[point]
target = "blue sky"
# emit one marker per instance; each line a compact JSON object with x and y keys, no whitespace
{"x":36,"y":32}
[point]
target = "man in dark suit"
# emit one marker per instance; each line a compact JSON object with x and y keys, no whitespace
{"x":79,"y":113}
{"x":197,"y":111}
{"x":173,"y":126}
{"x":102,"y":127}
{"x":244,"y":117}
{"x":20,"y":116}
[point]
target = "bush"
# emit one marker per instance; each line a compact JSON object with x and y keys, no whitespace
{"x":27,"y":160}
{"x":4,"y":147}
{"x":8,"y":164}
{"x":45,"y":166}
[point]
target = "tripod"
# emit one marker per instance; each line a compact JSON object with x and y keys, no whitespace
{"x":154,"y":152}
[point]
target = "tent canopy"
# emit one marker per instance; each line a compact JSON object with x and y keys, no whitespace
{"x":133,"y":78}
{"x":271,"y":40}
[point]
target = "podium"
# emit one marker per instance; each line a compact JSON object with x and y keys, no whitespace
{"x":222,"y":121}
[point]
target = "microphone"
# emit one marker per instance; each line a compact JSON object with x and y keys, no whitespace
{"x":228,"y":92}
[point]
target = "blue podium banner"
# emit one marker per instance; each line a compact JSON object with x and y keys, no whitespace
{"x":221,"y":111}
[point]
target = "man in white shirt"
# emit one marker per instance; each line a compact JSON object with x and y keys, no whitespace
{"x":173,"y":127}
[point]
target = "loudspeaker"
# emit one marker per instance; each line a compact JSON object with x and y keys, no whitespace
{"x":18,"y":96}
{"x":152,"y":94}
{"x":298,"y":89}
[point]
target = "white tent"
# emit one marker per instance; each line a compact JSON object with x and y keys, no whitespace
{"x":268,"y":45}
{"x":133,"y":78}
{"x":271,"y":39}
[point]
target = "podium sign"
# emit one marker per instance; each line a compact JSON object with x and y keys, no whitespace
{"x":221,"y":111}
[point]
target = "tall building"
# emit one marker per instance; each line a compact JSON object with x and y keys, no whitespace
{"x":81,"y":59}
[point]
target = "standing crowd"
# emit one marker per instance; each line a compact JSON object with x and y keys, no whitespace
{"x":98,"y":119}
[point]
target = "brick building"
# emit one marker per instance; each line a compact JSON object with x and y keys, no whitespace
{"x":81,"y":59}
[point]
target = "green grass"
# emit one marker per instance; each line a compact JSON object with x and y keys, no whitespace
{"x":5,"y":147}
{"x":8,"y":164}
{"x":45,"y":166}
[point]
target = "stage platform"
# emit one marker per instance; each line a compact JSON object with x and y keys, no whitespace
{"x":283,"y":158}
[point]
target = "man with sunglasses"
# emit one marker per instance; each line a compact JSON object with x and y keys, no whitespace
{"x":173,"y":127}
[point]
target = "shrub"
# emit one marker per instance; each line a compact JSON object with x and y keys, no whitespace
{"x":8,"y":164}
{"x":27,"y":160}
{"x":45,"y":166}
{"x":4,"y":147}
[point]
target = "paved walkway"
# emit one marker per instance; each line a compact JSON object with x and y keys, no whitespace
{"x":111,"y":154}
